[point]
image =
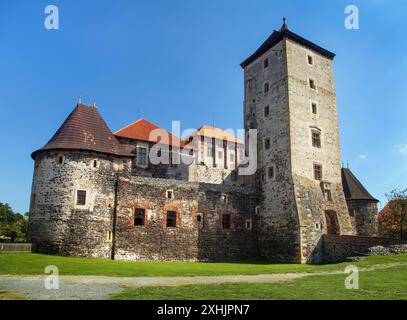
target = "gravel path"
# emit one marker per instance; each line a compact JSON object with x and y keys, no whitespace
{"x":100,"y":287}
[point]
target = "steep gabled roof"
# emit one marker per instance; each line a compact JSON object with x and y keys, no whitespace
{"x":85,"y":129}
{"x":352,"y":187}
{"x":217,"y":133}
{"x":142,"y":129}
{"x":284,"y":33}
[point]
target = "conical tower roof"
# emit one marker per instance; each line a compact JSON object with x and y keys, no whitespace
{"x":85,"y":129}
{"x":353,"y":189}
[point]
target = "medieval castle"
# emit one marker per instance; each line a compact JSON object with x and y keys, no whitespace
{"x":98,"y":194}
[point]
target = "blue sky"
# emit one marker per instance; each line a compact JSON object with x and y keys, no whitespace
{"x":179,"y":60}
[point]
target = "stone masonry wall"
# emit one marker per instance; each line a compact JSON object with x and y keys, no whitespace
{"x":56,"y":224}
{"x":279,"y":231}
{"x":364,"y":217}
{"x":311,"y":201}
{"x":191,"y":239}
{"x":338,"y":248}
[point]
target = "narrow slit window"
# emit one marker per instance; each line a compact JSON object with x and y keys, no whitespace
{"x":266,"y":63}
{"x":312,"y":84}
{"x":314,"y":108}
{"x":266,"y":110}
{"x":310,"y":60}
{"x":266,"y":87}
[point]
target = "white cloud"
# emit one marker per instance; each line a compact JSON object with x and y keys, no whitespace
{"x":402,"y":148}
{"x":363,"y":156}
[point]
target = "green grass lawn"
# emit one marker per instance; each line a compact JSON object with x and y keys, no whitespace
{"x":31,"y":264}
{"x":385,"y":284}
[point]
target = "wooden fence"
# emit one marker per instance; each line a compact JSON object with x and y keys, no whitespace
{"x":16,"y":247}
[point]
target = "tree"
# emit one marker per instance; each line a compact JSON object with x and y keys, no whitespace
{"x":393,"y":218}
{"x":12,"y":224}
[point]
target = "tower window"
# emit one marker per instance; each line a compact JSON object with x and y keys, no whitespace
{"x":139,"y":217}
{"x":95,"y":164}
{"x":142,"y":156}
{"x":317,"y":172}
{"x":171,"y":219}
{"x":226,"y":221}
{"x":233,"y":176}
{"x":220,"y":154}
{"x":312,"y":84}
{"x":270,"y":172}
{"x":266,"y":110}
{"x":266,"y":63}
{"x":266,"y":87}
{"x":80,"y":197}
{"x":248,"y":224}
{"x":314,"y":108}
{"x":170,"y":194}
{"x":310,"y":60}
{"x":267,"y":143}
{"x":316,"y":139}
{"x":232,"y":157}
{"x":60,"y":159}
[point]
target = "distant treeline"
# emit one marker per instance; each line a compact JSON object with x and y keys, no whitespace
{"x":13,"y":226}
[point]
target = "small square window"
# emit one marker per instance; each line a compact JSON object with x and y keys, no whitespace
{"x":266,"y":110}
{"x":310,"y":60}
{"x":139,"y":217}
{"x":170,"y":194}
{"x":266,"y":63}
{"x":314,"y":108}
{"x":267,"y":143}
{"x":317,"y":172}
{"x":312,"y":84}
{"x":80,"y":197}
{"x":226,"y":221}
{"x":171,"y":219}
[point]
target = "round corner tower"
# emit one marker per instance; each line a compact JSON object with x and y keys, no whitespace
{"x":73,"y":190}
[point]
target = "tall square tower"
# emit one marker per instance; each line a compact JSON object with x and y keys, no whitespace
{"x":290,"y":100}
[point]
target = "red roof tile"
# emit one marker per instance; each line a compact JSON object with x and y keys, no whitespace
{"x":142,"y":130}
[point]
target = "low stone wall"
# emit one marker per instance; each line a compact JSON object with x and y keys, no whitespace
{"x":339,"y":248}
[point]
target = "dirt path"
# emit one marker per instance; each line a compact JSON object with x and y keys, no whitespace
{"x":100,"y":287}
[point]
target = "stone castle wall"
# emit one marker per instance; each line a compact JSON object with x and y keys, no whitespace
{"x":57,"y":225}
{"x":191,"y":239}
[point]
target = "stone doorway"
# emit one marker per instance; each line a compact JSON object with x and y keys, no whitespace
{"x":332,"y":224}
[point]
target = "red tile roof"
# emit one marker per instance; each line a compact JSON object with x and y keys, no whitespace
{"x":217,"y":133}
{"x":85,"y":129}
{"x":142,"y":129}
